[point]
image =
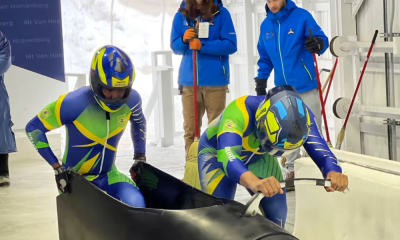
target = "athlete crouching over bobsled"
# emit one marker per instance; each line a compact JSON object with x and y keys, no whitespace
{"x":241,"y":145}
{"x":95,"y":118}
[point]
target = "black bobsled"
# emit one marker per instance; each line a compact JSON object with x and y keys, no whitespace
{"x":177,"y":212}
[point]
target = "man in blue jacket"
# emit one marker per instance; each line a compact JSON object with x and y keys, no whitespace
{"x":7,"y":138}
{"x":212,"y":57}
{"x":286,"y":46}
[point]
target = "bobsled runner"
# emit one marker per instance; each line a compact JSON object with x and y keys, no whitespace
{"x":174,"y":211}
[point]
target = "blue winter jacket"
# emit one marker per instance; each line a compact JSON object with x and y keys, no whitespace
{"x":7,"y":138}
{"x":281,"y":47}
{"x":213,"y":58}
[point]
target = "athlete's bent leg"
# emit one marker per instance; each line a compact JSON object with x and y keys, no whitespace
{"x":127,"y":193}
{"x":120,"y":187}
{"x":275,"y":207}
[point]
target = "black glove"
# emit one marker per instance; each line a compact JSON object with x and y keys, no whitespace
{"x":61,"y":179}
{"x":261,"y":85}
{"x":314,"y":44}
{"x":138,"y":157}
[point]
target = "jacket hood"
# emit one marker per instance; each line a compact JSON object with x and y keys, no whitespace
{"x":290,"y":5}
{"x":218,"y":2}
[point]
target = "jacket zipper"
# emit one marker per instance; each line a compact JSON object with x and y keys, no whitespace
{"x":280,"y":52}
{"x":306,"y":69}
{"x":223,"y":68}
{"x":105,"y":144}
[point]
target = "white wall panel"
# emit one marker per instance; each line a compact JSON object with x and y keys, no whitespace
{"x":373,"y":89}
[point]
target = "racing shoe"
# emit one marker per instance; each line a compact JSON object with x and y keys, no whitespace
{"x":290,"y":175}
{"x":4,"y":181}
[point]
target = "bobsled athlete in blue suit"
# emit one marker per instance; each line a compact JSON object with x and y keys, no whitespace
{"x":95,"y":118}
{"x":241,"y":146}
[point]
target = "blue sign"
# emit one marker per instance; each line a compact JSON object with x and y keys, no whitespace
{"x":34,"y":29}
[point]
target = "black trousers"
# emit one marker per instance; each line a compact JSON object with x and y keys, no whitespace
{"x":4,"y":165}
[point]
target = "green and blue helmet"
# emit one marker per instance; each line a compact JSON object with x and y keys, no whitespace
{"x":283,"y":121}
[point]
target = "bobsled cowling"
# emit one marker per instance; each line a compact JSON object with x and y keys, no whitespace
{"x":174,"y":211}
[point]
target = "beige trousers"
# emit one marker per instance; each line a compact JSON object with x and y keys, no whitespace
{"x":210,"y":99}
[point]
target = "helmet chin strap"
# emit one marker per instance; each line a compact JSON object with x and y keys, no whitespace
{"x":105,"y":107}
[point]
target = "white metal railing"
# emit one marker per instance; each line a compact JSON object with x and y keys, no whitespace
{"x":161,"y":101}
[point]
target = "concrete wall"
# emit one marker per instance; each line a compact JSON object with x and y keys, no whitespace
{"x":29,"y":93}
{"x":373,"y":88}
{"x":369,"y":211}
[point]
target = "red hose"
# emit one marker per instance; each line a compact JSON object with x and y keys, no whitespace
{"x":196,"y":124}
{"x":320,"y":95}
{"x":361,"y":77}
{"x":328,"y":139}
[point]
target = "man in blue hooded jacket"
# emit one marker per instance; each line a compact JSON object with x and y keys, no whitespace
{"x":212,"y":58}
{"x":286,"y":46}
{"x":7,"y":138}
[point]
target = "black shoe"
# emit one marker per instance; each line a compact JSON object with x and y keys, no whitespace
{"x":4,"y":181}
{"x":290,"y":175}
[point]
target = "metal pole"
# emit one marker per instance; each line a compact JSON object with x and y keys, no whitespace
{"x":112,"y":21}
{"x":162,"y":25}
{"x":389,"y":75}
{"x":392,"y":88}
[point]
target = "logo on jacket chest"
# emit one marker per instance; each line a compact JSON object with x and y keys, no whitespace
{"x":121,"y":121}
{"x":291,"y":31}
{"x":269,"y":35}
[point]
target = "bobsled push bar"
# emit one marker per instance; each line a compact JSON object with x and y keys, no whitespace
{"x":253,"y":205}
{"x":174,"y":211}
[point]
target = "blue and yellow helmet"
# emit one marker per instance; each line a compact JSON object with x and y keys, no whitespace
{"x":111,"y":69}
{"x":283,"y":121}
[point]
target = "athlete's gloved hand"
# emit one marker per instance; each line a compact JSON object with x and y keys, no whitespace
{"x":261,"y":85}
{"x":189,"y":35}
{"x":195,"y":44}
{"x":314,"y":44}
{"x":339,"y":181}
{"x":61,"y":179}
{"x":138,"y":157}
